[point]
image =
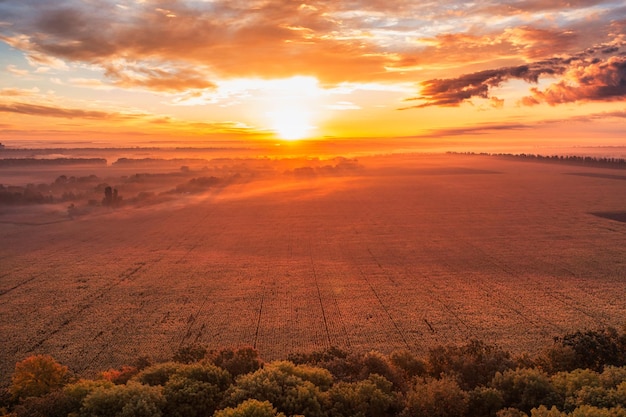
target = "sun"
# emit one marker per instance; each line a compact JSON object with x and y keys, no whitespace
{"x":291,"y":123}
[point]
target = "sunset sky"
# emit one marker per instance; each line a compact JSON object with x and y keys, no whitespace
{"x":129,"y":71}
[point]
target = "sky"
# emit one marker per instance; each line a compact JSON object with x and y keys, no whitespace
{"x":131,"y":71}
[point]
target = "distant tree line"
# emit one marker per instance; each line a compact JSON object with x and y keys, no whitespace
{"x":581,"y":374}
{"x":11,"y":162}
{"x":590,"y":161}
{"x":155,"y":161}
{"x":63,"y":189}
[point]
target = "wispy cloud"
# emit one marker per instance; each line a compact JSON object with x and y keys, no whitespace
{"x":67,"y":113}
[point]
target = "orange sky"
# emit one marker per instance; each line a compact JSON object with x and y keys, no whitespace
{"x":548,"y":72}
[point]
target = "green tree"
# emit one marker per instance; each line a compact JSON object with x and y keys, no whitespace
{"x":292,"y":389}
{"x":484,"y":402}
{"x":590,"y":411}
{"x":542,"y":411}
{"x":473,"y":364}
{"x":187,"y":397}
{"x":190,"y":353}
{"x":596,"y":349}
{"x":54,"y":404}
{"x":612,"y":376}
{"x":525,"y":389}
{"x":436,"y":398}
{"x":36,"y":376}
{"x":373,"y":397}
{"x":407,"y":363}
{"x":130,"y":400}
{"x":250,"y":408}
{"x":238,"y":362}
{"x":568,"y":385}
{"x":158,"y":374}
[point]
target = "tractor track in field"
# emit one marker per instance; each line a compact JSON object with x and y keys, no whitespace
{"x":319,"y":296}
{"x":559,"y":297}
{"x":73,"y":315}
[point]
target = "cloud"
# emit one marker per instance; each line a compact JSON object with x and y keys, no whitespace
{"x":598,"y":80}
{"x":584,"y":77}
{"x":68,"y":113}
{"x":454,"y":91}
{"x":154,"y":77}
{"x":18,"y":92}
{"x":177,"y":45}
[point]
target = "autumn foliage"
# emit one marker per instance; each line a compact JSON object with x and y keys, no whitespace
{"x":472,"y":380}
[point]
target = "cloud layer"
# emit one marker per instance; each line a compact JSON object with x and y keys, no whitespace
{"x":178,"y":45}
{"x":421,"y":56}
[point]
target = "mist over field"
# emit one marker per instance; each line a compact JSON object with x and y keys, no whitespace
{"x":294,"y":254}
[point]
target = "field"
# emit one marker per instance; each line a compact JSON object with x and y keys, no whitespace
{"x":294,"y":255}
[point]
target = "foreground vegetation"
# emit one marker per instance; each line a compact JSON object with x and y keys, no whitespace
{"x":581,"y":374}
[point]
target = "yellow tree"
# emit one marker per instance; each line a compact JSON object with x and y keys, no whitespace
{"x":36,"y":376}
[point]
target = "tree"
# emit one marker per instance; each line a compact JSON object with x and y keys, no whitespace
{"x":189,"y":389}
{"x":188,"y":397}
{"x":36,"y":376}
{"x":596,"y":349}
{"x":436,"y":398}
{"x":373,"y":397}
{"x":526,"y":388}
{"x":292,"y":389}
{"x":484,"y":402}
{"x":238,"y":362}
{"x":130,"y":400}
{"x":250,"y":408}
{"x":473,"y":364}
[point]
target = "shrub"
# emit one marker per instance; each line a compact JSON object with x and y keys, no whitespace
{"x":36,"y":376}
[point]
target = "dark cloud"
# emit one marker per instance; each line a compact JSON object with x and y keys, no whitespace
{"x":454,"y":91}
{"x":583,"y":78}
{"x":598,"y":80}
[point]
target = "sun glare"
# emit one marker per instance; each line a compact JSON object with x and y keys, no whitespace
{"x":292,"y":105}
{"x":291,"y":124}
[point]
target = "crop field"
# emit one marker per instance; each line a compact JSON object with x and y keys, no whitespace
{"x":384,"y":253}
